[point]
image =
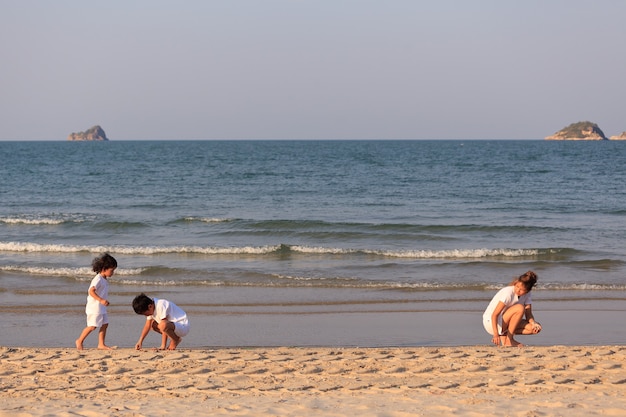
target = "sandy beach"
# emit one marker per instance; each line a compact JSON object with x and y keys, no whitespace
{"x":391,"y":382}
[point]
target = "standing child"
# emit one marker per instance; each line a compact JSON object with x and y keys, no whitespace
{"x":163,"y":317}
{"x":97,"y":300}
{"x":510,"y":312}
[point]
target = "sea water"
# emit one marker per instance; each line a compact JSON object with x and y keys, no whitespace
{"x":313,"y":242}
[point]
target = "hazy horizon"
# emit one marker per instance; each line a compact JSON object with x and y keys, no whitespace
{"x":298,"y":69}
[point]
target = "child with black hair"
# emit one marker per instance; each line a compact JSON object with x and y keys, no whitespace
{"x":97,"y":300}
{"x":164,"y":317}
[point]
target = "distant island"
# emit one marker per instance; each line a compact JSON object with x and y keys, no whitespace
{"x":622,"y":136}
{"x":92,"y":134}
{"x":579,"y":131}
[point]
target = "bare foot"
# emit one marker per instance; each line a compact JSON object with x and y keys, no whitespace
{"x":174,"y":343}
{"x":105,"y":347}
{"x":79,"y":345}
{"x":510,"y":342}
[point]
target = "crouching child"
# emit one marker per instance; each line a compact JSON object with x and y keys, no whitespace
{"x":164,"y":317}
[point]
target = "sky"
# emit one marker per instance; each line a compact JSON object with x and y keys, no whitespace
{"x":310,"y":69}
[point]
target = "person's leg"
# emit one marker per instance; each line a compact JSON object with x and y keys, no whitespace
{"x":163,"y":341}
{"x":524,"y":327}
{"x":102,"y":336}
{"x":511,"y":321}
{"x":167,"y":328}
{"x":83,"y":336}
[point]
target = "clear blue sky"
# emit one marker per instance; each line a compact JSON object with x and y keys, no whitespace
{"x":310,"y":69}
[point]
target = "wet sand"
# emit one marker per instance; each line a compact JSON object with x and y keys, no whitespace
{"x":377,"y":329}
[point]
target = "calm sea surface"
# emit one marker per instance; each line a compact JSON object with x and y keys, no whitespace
{"x":298,"y":242}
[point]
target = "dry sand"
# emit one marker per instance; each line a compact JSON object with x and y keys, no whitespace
{"x":417,"y":381}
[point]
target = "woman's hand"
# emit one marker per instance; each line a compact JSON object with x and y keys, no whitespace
{"x":536,"y":327}
{"x":496,"y":340}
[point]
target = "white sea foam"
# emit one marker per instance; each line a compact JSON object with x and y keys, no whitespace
{"x":459,"y":253}
{"x":261,"y":250}
{"x":135,"y":250}
{"x":28,"y":221}
{"x":426,"y":254}
{"x":61,"y":271}
{"x":169,"y":283}
{"x":321,"y":279}
{"x":208,"y":219}
{"x":322,"y":250}
{"x":41,"y":270}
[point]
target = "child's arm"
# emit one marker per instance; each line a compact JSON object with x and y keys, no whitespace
{"x":144,"y":333}
{"x":494,"y":323}
{"x":94,"y":294}
{"x":528,"y":312}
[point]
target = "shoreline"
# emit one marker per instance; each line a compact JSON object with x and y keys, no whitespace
{"x":355,"y":329}
{"x":314,"y":381}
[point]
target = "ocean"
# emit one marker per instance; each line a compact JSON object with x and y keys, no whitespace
{"x":304,"y":243}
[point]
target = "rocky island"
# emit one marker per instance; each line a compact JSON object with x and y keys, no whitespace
{"x":622,"y":136}
{"x":92,"y":134}
{"x":579,"y":131}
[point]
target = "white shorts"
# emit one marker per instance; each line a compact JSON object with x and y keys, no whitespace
{"x":487,"y":325}
{"x":97,"y":320}
{"x":181,"y":328}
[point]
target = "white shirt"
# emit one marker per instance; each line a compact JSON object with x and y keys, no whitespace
{"x":164,"y":309}
{"x":509,"y":298}
{"x":101,"y":285}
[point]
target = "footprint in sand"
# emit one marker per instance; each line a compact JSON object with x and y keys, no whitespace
{"x":618,"y":380}
{"x":610,"y":365}
{"x":199,"y":371}
{"x":534,"y":381}
{"x":560,"y":380}
{"x":503,"y":382}
{"x":447,"y":385}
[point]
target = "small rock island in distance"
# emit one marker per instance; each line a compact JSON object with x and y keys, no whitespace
{"x":579,"y":131}
{"x":94,"y":133}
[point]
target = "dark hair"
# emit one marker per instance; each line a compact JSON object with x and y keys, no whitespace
{"x":141,"y":303}
{"x":528,"y":279}
{"x":102,"y":262}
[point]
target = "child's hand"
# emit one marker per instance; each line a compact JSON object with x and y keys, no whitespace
{"x":104,"y":302}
